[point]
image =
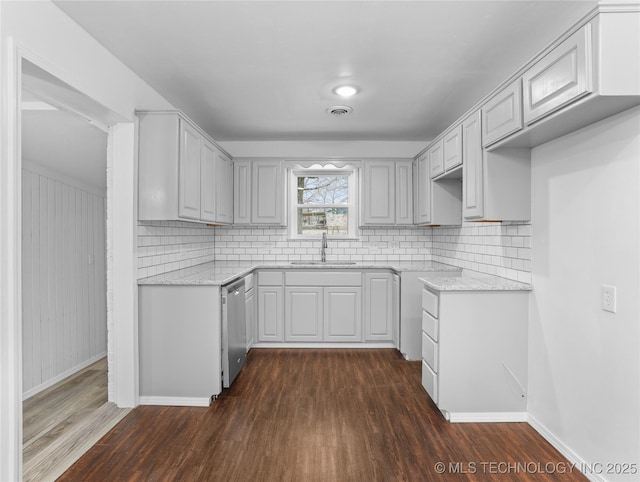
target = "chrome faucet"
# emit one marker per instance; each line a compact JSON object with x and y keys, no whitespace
{"x":323,"y":252}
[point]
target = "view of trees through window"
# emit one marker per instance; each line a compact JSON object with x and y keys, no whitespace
{"x":323,"y":205}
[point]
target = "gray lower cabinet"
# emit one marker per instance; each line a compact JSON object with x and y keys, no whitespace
{"x":179,"y":332}
{"x":327,"y":306}
{"x":378,"y":306}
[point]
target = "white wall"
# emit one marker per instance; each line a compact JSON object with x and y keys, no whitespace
{"x":64,"y":316}
{"x":584,"y":363}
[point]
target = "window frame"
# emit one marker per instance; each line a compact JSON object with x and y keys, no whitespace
{"x":352,"y":205}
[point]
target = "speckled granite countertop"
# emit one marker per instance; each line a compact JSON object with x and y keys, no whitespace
{"x":224,"y":272}
{"x":473,"y":281}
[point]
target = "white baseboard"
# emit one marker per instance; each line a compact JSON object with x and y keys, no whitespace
{"x":323,"y":345}
{"x":482,"y":417}
{"x":579,"y":464}
{"x":176,"y":401}
{"x":58,"y":378}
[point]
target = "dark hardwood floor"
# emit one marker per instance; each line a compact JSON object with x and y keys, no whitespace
{"x":318,"y":415}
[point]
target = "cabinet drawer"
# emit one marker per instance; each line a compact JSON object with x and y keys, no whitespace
{"x":430,"y":382}
{"x":323,"y":278}
{"x":270,"y":278}
{"x":430,"y":325}
{"x":430,"y":352}
{"x":430,"y":302}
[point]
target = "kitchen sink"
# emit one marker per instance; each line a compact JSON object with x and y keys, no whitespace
{"x":322,"y":263}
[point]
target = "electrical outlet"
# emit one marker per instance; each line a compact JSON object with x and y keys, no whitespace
{"x":608,"y":298}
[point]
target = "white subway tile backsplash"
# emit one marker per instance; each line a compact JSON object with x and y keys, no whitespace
{"x":501,"y":249}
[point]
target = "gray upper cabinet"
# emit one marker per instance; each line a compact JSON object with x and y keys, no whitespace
{"x":452,"y":148}
{"x":259,"y":193}
{"x":423,"y":190}
{"x":560,"y":77}
{"x":182,"y":174}
{"x":387,"y":193}
{"x":472,"y":172}
{"x":224,"y":189}
{"x":502,"y":115}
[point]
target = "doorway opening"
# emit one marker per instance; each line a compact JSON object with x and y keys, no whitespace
{"x":65,"y":379}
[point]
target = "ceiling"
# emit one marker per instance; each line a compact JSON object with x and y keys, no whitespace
{"x":66,"y":143}
{"x":264,"y":71}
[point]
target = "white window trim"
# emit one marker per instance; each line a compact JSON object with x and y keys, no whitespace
{"x":352,"y":175}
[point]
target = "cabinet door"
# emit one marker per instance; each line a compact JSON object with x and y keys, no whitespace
{"x":404,"y":192}
{"x":378,"y":193}
{"x":452,"y":147}
{"x":189,"y":172}
{"x":270,"y":316}
{"x":436,"y":159}
{"x":303,"y":313}
{"x":208,"y":182}
{"x":241,"y":192}
{"x":560,"y":77}
{"x":395,"y":310}
{"x":472,"y":169}
{"x":502,"y":115}
{"x":423,"y":188}
{"x":267,"y":193}
{"x":378,"y":307}
{"x":224,"y":189}
{"x":342,"y":314}
{"x":250,"y":313}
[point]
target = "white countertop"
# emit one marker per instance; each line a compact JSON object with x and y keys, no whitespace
{"x":472,"y":281}
{"x":224,"y":272}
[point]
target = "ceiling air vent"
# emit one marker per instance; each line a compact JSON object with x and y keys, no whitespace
{"x":339,"y":110}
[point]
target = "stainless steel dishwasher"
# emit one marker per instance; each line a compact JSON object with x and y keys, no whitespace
{"x":234,"y":332}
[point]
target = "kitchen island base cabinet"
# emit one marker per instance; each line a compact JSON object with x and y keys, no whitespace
{"x":179,"y":333}
{"x":474,"y":350}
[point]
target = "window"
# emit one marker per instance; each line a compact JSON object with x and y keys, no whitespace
{"x":323,"y":201}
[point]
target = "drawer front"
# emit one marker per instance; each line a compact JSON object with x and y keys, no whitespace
{"x":430,"y":325}
{"x":430,"y":352}
{"x":323,"y":278}
{"x":430,"y":302}
{"x":430,"y":382}
{"x":270,"y":278}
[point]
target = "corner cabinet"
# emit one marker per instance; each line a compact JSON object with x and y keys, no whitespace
{"x":259,"y":193}
{"x":182,"y":174}
{"x":387,"y":193}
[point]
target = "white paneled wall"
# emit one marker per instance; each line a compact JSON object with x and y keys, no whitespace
{"x":273,"y":244}
{"x":501,"y":249}
{"x":64,"y":324}
{"x":169,"y":245}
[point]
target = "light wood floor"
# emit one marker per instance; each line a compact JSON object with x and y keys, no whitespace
{"x":315,"y":415}
{"x":62,"y":422}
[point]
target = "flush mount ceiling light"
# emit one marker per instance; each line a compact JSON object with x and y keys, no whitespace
{"x":339,"y":110}
{"x":345,"y":90}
